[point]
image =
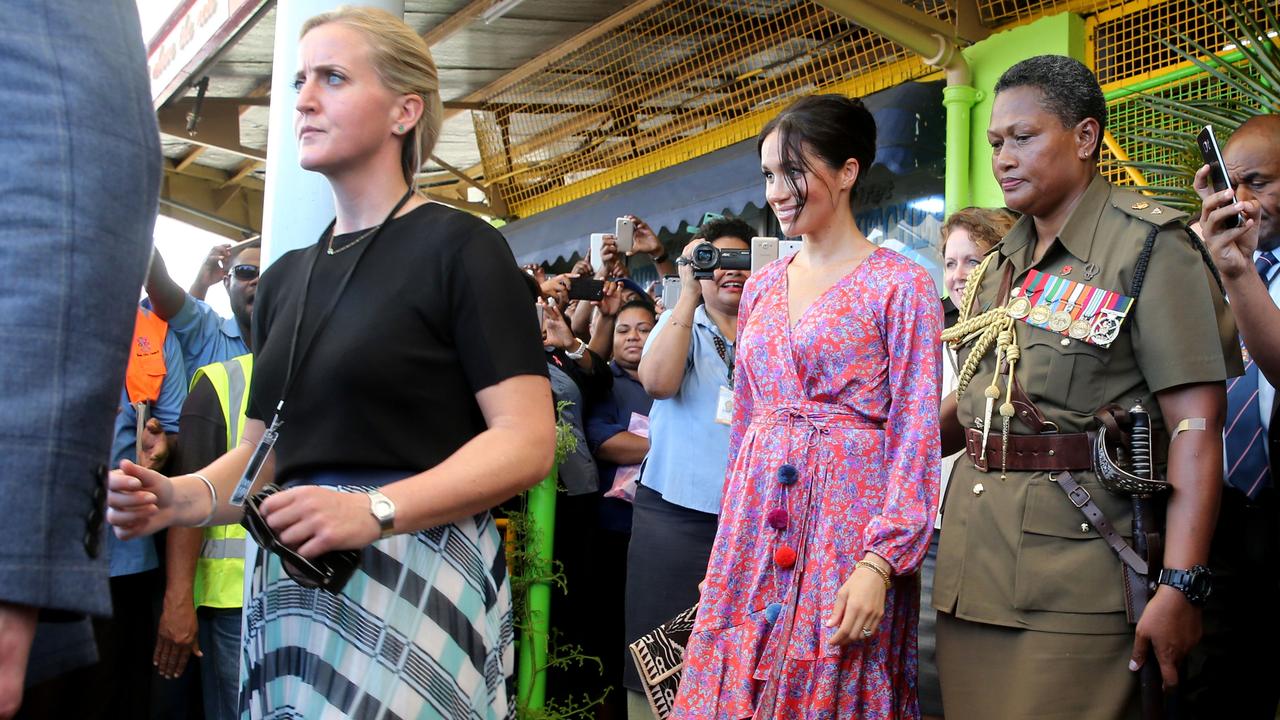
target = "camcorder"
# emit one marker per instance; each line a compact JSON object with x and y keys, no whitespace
{"x":707,"y":258}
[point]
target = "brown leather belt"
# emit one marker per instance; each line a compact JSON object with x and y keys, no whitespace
{"x":1051,"y":452}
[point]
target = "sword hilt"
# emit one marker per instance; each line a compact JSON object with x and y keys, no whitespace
{"x":1140,"y":443}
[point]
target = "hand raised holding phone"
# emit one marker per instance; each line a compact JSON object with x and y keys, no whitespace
{"x":1229,"y":227}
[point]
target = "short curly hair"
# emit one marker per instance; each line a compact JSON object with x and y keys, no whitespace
{"x":725,"y":227}
{"x":1068,"y":89}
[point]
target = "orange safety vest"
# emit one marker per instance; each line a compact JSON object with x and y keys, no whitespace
{"x":146,"y":370}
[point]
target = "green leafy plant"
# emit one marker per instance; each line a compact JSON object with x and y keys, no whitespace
{"x":528,"y":569}
{"x":1248,"y":69}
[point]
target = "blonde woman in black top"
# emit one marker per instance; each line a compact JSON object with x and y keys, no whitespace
{"x":398,"y":361}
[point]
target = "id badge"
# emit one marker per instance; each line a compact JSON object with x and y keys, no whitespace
{"x":724,"y":406}
{"x":254,"y":467}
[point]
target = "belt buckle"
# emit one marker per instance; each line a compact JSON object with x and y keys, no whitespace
{"x":1075,"y":494}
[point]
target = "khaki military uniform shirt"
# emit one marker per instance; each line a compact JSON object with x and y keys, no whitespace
{"x":1017,"y":553}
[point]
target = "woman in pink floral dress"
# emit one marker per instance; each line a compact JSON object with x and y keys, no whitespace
{"x":811,"y":599}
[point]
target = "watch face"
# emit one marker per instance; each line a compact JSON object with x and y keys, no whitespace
{"x":1200,"y":586}
{"x":382,"y":507}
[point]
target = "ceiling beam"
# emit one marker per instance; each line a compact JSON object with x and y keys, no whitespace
{"x":189,"y":158}
{"x":213,"y":176}
{"x":199,"y":199}
{"x":219,"y":126}
{"x":559,"y":52}
{"x":455,"y":22}
{"x":245,"y":169}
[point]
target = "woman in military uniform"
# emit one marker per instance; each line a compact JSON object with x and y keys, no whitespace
{"x":1097,"y":296}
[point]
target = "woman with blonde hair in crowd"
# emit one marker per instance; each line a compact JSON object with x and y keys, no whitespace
{"x":967,"y":236}
{"x":401,"y":380}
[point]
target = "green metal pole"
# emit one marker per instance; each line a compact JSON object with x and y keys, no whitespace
{"x":959,"y":101}
{"x":531,"y":678}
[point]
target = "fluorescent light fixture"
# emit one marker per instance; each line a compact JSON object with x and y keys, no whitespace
{"x":933,"y":204}
{"x":498,"y":9}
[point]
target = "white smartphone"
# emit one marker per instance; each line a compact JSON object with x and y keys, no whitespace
{"x":142,"y":410}
{"x":787,"y":248}
{"x":625,"y":232}
{"x":670,"y":291}
{"x":597,"y":248}
{"x":246,"y":241}
{"x":764,"y":250}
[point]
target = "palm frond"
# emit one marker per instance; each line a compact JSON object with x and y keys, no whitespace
{"x":1164,"y":150}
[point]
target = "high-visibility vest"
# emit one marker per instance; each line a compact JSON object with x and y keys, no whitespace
{"x":219,"y":579}
{"x":146,"y":370}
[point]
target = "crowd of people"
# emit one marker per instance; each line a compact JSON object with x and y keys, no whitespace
{"x":1048,"y":494}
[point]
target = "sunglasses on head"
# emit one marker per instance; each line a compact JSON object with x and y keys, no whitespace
{"x":330,"y":571}
{"x":245,"y":273}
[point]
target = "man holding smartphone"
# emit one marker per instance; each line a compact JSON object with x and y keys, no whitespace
{"x":1233,"y":666}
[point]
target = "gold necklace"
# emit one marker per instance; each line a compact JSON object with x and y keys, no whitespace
{"x":353,"y":243}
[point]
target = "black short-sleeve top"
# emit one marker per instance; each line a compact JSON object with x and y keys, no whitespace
{"x":435,"y":312}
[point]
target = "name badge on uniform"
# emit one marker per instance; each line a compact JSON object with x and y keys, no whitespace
{"x":1069,"y":308}
{"x":724,"y":406}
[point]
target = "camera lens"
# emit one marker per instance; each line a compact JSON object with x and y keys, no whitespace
{"x":705,"y":257}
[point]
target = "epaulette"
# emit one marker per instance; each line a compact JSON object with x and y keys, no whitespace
{"x":1144,"y":208}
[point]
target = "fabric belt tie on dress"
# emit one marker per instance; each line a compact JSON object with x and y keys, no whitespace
{"x":819,"y":418}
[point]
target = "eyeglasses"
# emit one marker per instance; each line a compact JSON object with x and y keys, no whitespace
{"x":330,"y":571}
{"x":245,"y":273}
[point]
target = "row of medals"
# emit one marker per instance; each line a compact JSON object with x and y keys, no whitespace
{"x":1040,"y":315}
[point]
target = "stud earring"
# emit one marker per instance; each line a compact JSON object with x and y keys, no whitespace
{"x":400,"y":128}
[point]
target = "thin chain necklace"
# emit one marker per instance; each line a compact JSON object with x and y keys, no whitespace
{"x":353,"y":243}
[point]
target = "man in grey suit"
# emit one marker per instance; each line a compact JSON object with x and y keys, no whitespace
{"x":79,"y":181}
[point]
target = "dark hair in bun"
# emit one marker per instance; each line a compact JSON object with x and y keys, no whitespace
{"x":832,"y":127}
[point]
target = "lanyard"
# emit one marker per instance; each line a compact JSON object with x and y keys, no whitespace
{"x":725,"y":355}
{"x":291,"y":370}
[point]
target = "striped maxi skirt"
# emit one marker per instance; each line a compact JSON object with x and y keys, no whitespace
{"x":422,"y":630}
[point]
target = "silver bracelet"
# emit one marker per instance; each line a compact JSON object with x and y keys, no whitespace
{"x":213,"y":498}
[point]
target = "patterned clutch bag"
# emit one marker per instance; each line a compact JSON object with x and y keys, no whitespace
{"x":659,"y":657}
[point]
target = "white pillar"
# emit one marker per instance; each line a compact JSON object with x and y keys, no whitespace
{"x":297,"y":204}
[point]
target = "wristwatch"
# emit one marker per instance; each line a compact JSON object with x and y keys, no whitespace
{"x":579,"y":352}
{"x":1196,"y":583}
{"x":384,"y":510}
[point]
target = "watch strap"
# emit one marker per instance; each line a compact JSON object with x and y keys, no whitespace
{"x":1184,"y":581}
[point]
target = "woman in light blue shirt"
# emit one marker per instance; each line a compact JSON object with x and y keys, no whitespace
{"x":687,"y":367}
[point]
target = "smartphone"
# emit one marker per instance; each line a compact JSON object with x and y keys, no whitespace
{"x":246,"y":241}
{"x":142,"y":410}
{"x":585,"y":288}
{"x":597,"y":248}
{"x":542,"y":315}
{"x":1211,"y":152}
{"x":625,"y":232}
{"x":764,"y":250}
{"x":670,"y":291}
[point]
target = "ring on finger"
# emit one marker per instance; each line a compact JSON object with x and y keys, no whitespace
{"x":867,"y":632}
